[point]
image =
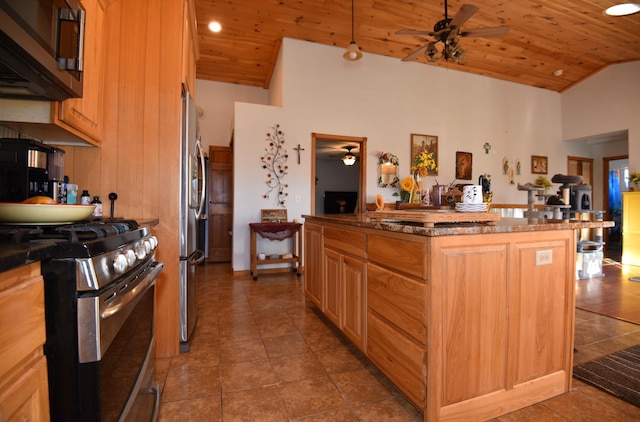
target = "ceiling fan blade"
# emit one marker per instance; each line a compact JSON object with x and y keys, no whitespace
{"x":415,"y":53}
{"x":494,"y":31}
{"x":463,"y":15}
{"x":413,"y":32}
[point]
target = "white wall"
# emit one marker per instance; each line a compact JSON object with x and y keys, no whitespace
{"x":216,"y":100}
{"x":607,"y":102}
{"x":386,"y":100}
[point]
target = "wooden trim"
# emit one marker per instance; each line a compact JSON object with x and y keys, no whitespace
{"x":362,"y":189}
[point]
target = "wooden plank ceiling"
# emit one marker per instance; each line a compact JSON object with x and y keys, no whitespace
{"x":545,"y":36}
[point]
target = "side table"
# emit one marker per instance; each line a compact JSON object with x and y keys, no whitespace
{"x":276,"y":231}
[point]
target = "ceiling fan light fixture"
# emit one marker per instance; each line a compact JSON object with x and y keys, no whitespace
{"x":349,"y":159}
{"x":432,"y":52}
{"x":623,"y":9}
{"x":353,"y":52}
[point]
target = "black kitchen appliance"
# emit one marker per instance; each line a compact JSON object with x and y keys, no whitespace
{"x":99,"y":282}
{"x":41,"y":49}
{"x":29,"y":168}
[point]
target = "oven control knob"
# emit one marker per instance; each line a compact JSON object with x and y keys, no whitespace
{"x":147,"y":246}
{"x":154,"y":242}
{"x":120,"y":263}
{"x":141,"y":251}
{"x":131,"y":257}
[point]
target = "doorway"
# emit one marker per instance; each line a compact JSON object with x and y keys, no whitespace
{"x":329,"y":173}
{"x":614,"y":172}
{"x":220,"y":204}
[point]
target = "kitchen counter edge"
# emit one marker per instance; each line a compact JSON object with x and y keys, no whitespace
{"x":504,"y":225}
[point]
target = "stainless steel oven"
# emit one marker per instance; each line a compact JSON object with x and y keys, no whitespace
{"x":99,"y":310}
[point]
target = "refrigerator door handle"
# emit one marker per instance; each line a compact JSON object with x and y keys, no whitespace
{"x":196,"y":258}
{"x":203,"y":176}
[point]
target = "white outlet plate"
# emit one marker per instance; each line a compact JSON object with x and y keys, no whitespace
{"x":544,"y":257}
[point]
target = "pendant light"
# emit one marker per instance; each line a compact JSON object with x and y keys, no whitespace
{"x":353,"y":52}
{"x":349,"y":159}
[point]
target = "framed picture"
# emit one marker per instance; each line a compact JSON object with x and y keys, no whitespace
{"x":278,"y":215}
{"x":428,"y":143}
{"x":538,"y":164}
{"x":463,"y":165}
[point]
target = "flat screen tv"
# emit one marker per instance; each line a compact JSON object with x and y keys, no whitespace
{"x":340,"y":202}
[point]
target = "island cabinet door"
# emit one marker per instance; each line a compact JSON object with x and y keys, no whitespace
{"x":333,"y":290}
{"x":313,"y":278}
{"x":354,"y":312}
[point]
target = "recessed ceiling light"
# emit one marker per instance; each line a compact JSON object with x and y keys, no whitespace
{"x":558,"y":72}
{"x":215,"y":26}
{"x":623,"y":9}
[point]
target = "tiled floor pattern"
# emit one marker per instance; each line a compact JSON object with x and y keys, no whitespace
{"x":261,"y":353}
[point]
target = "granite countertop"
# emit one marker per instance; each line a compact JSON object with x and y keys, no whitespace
{"x":503,"y":225}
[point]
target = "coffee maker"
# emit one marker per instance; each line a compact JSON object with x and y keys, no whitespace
{"x":29,"y":168}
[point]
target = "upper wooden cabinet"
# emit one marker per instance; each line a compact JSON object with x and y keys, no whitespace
{"x":190,"y":49}
{"x":76,"y":121}
{"x":85,"y":114}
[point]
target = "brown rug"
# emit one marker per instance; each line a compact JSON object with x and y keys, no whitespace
{"x":617,"y":374}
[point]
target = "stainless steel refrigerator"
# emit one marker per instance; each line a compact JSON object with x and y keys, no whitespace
{"x":192,"y":203}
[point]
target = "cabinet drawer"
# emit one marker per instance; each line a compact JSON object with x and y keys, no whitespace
{"x":398,"y":299}
{"x":400,"y":359}
{"x":348,"y":241}
{"x":402,"y":255}
{"x":21,"y":316}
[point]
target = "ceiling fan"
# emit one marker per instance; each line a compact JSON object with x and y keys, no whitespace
{"x":448,"y":32}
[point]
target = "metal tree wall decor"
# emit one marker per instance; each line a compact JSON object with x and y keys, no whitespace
{"x":274,"y":161}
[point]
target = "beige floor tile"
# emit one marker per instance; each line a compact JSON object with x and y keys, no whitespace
{"x":296,"y":367}
{"x":341,"y":359}
{"x":343,"y":415}
{"x":286,"y":345}
{"x":190,"y":382}
{"x":363,"y":386}
{"x":312,"y":396}
{"x":247,"y":375}
{"x":259,"y":404}
{"x":392,"y":409}
{"x":202,"y":409}
{"x":242,"y":351}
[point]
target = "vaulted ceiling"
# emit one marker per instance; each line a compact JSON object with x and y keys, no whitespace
{"x":571,"y":36}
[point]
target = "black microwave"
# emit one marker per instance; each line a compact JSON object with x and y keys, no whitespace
{"x":41,"y":49}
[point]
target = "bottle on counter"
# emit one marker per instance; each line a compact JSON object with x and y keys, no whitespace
{"x":85,"y":199}
{"x":97,"y":212}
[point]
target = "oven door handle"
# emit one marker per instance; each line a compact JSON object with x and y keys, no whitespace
{"x":130,"y":296}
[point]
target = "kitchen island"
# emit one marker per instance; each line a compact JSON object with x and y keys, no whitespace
{"x":469,"y":320}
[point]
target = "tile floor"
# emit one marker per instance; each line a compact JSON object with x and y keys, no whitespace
{"x":261,"y":353}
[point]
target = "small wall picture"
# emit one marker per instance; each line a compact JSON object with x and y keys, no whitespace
{"x":428,"y":143}
{"x":538,"y":164}
{"x":463,"y":165}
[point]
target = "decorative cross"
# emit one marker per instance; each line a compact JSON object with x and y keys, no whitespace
{"x":298,"y":149}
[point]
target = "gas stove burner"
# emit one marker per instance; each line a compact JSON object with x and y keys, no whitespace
{"x":96,"y":229}
{"x":20,"y":234}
